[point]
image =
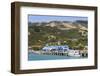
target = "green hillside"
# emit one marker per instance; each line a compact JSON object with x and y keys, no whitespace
{"x":60,"y":33}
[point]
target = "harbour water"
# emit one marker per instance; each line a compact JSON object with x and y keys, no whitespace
{"x":33,"y":56}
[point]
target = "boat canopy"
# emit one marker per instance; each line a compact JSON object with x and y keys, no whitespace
{"x":56,"y":48}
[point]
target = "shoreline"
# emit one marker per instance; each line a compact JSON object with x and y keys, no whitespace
{"x":73,"y":54}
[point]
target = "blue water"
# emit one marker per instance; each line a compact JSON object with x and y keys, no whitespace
{"x":32,"y":56}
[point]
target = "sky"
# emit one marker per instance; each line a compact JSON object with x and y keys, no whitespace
{"x":48,"y":18}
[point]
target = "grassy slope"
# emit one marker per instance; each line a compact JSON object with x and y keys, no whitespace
{"x":39,"y":35}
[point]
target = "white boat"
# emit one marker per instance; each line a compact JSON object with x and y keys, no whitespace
{"x":74,"y":53}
